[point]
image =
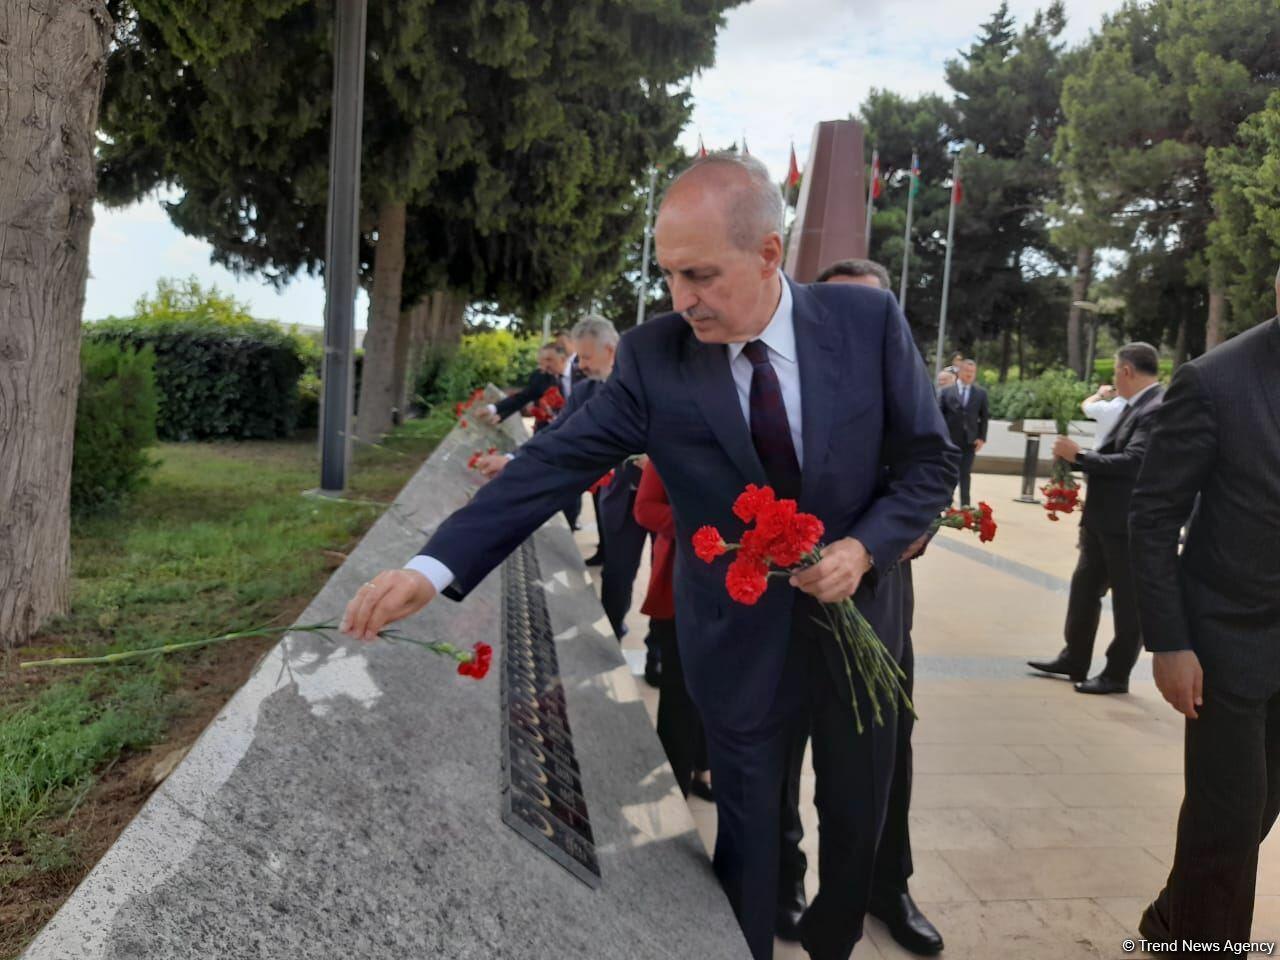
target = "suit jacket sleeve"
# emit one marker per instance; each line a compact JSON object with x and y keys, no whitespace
{"x":984,"y":416}
{"x":1180,"y":457}
{"x":922,"y":462}
{"x":1127,"y":462}
{"x":533,"y":391}
{"x":552,"y":467}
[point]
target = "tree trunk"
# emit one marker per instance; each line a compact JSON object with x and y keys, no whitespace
{"x":52,"y":67}
{"x":1217,"y":313}
{"x":411,"y":336}
{"x":1079,"y":291}
{"x":378,"y":377}
{"x":1022,"y":361}
{"x":1006,"y":349}
{"x":1180,"y":345}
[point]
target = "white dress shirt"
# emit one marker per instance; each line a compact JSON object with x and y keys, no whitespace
{"x":780,"y":337}
{"x":566,"y":377}
{"x":1105,"y":413}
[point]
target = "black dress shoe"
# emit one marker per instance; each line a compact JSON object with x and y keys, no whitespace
{"x":787,"y":925}
{"x":1058,"y":666}
{"x":652,"y":669}
{"x":596,"y":559}
{"x":700,"y":788}
{"x":1102,"y":684}
{"x":1152,"y":926}
{"x":907,"y":925}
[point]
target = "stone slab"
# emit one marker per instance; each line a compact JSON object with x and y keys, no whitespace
{"x":346,"y":803}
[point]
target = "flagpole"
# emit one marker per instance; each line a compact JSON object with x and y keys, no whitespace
{"x":906,"y":239}
{"x":871,"y":196}
{"x":644,"y":256}
{"x":946,"y":270}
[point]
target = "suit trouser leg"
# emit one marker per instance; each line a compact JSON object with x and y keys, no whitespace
{"x":618,"y":577}
{"x":1089,"y":584}
{"x":792,"y":863}
{"x":852,"y":774}
{"x":893,"y":857}
{"x":679,"y":726}
{"x":1232,"y":784}
{"x":746,"y":771}
{"x":573,"y":512}
{"x":967,"y":453}
{"x":1124,"y":649}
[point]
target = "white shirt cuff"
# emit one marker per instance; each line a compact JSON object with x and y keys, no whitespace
{"x":509,"y":456}
{"x":431,"y":568}
{"x":491,"y":408}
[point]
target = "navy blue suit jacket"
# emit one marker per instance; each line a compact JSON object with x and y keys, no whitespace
{"x":867,"y":402}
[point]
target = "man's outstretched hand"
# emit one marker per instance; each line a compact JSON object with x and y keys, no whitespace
{"x":390,"y":596}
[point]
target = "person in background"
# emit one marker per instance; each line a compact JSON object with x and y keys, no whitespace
{"x":1111,"y":468}
{"x":891,"y":901}
{"x":965,"y":409}
{"x":552,"y":362}
{"x":945,"y":379}
{"x":1103,"y":407}
{"x":1211,"y":618}
{"x":679,"y":726}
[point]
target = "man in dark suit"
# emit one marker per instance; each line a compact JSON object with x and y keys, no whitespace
{"x":964,"y":407}
{"x":1112,"y":469}
{"x":754,"y":380}
{"x":1211,"y":618}
{"x":552,"y":362}
{"x":891,"y":900}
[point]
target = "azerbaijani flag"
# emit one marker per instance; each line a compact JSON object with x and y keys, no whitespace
{"x":702,"y":151}
{"x":877,"y":185}
{"x":793,"y":173}
{"x":957,"y":189}
{"x":915,"y":174}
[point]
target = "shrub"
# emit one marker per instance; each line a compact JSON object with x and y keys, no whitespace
{"x":115,"y":423}
{"x":494,"y":356}
{"x":1037,"y":399}
{"x":220,"y":373}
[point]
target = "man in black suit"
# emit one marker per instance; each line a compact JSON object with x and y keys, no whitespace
{"x":1112,"y":469}
{"x":964,"y":408}
{"x":552,"y":363}
{"x":1211,"y":618}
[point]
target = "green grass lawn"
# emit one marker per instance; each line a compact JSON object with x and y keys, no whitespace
{"x":221,"y":539}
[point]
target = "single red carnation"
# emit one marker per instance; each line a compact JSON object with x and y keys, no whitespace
{"x":478,"y":665}
{"x":987,"y":524}
{"x":708,"y":544}
{"x":464,"y":424}
{"x":751,"y":500}
{"x":601,"y":483}
{"x":747,"y":579}
{"x":471,"y":463}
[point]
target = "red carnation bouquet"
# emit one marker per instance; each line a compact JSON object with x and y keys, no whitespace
{"x":782,"y":542}
{"x":1062,"y":492}
{"x":979,"y":519}
{"x":549,"y":404}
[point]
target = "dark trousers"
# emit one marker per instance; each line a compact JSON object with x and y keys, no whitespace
{"x":625,"y":547}
{"x":1232,"y":774}
{"x":679,"y":725}
{"x":852,"y":774}
{"x":1103,"y":564}
{"x":572,"y":512}
{"x":894,"y":866}
{"x":967,"y":453}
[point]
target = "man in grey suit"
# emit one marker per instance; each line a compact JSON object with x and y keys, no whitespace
{"x":1211,"y":617}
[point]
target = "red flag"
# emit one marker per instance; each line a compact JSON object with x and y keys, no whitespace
{"x":702,"y":151}
{"x":957,"y":191}
{"x":877,"y":186}
{"x":793,"y":173}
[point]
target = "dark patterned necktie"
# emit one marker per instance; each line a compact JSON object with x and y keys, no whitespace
{"x":770,"y":431}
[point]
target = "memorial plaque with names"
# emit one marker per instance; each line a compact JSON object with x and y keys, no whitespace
{"x":542,"y":791}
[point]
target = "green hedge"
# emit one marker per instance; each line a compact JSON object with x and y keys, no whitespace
{"x":115,"y":424}
{"x":1038,"y":399}
{"x":221,"y":373}
{"x":494,"y":356}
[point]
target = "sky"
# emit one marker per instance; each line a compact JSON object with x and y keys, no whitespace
{"x":781,"y":67}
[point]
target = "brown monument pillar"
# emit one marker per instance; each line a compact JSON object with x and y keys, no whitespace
{"x":831,"y":213}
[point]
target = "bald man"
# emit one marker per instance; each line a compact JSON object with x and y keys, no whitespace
{"x":758,"y":380}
